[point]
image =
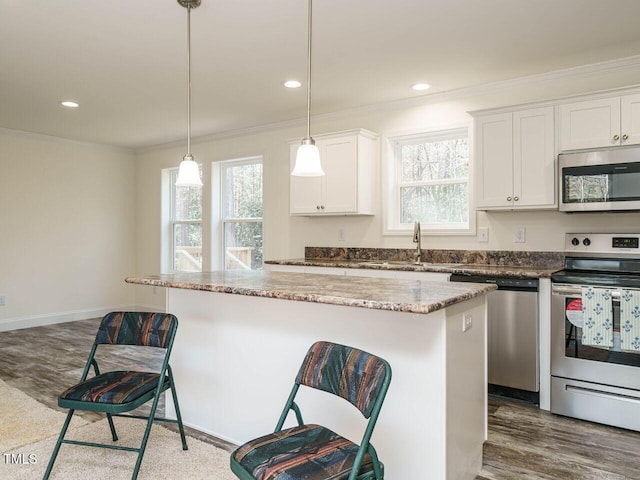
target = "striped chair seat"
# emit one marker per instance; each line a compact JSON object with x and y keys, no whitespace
{"x":117,"y":387}
{"x":311,"y":452}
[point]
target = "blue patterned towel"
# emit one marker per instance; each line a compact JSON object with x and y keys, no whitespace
{"x":597,"y":328}
{"x":630,"y":321}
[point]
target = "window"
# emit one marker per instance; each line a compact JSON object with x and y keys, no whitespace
{"x":241,"y":213}
{"x":429,"y":182}
{"x":185,"y":226}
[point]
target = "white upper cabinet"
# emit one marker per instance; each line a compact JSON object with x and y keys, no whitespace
{"x":348,"y":160}
{"x":602,"y":122}
{"x":515,"y":160}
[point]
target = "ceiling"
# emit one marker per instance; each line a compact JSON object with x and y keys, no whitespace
{"x":125,"y":61}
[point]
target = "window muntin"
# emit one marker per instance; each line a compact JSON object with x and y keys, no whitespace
{"x":186,"y":226}
{"x":242,"y":210}
{"x":431,"y":182}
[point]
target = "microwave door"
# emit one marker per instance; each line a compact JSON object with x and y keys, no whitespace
{"x":601,"y":187}
{"x":585,"y":187}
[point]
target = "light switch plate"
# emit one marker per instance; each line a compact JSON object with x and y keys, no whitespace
{"x":3,"y":300}
{"x":521,"y":234}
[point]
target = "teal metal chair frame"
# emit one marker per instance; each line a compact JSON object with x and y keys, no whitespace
{"x":165,"y":382}
{"x":364,"y":447}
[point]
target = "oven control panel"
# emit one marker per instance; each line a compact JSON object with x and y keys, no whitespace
{"x":603,"y":243}
{"x":624,"y":242}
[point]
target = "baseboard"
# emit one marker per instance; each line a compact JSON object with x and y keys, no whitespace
{"x":63,"y":317}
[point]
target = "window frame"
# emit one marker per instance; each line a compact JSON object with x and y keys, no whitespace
{"x":169,"y":246}
{"x":392,"y":193}
{"x":222,"y":168}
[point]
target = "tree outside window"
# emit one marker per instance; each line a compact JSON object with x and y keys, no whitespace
{"x":241,"y":183}
{"x":432,"y":181}
{"x":186,"y":227}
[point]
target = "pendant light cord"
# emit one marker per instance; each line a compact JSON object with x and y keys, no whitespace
{"x":309,"y":71}
{"x":188,"y":81}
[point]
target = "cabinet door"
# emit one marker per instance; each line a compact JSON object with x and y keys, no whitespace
{"x":305,"y":192}
{"x":340,"y":163}
{"x":630,"y":119}
{"x":533,"y":158}
{"x":590,"y":124}
{"x":494,"y":160}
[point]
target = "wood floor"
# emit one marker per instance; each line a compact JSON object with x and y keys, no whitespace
{"x":524,"y":443}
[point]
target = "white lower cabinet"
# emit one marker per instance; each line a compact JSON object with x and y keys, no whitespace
{"x":400,"y":274}
{"x":360,"y":272}
{"x":303,"y":269}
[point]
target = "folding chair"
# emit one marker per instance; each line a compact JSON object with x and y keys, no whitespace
{"x":116,"y":392}
{"x":312,"y":451}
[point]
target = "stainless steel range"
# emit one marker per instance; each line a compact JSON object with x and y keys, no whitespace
{"x":595,"y":370}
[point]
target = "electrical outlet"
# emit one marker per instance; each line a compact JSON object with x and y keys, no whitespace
{"x":341,"y":234}
{"x":483,"y":234}
{"x":3,"y":300}
{"x":467,"y":322}
{"x":521,"y":234}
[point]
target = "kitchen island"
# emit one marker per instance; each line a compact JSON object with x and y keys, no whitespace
{"x":243,"y":335}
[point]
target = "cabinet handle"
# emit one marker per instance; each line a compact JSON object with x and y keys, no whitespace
{"x":508,"y":199}
{"x":317,"y":207}
{"x":322,"y":207}
{"x":616,"y":137}
{"x":516,"y":198}
{"x":625,"y":137}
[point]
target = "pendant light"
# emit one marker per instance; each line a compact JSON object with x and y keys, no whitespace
{"x":308,"y":155}
{"x":189,"y":173}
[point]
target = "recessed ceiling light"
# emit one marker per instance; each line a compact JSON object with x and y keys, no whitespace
{"x":292,"y":84}
{"x":70,"y":104}
{"x":418,"y":87}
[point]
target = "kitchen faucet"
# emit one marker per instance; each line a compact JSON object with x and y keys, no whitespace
{"x":417,"y":256}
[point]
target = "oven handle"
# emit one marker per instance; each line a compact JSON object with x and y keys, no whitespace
{"x":599,"y":393}
{"x":575,"y":290}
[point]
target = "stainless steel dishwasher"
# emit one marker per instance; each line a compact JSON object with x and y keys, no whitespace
{"x":512,"y":335}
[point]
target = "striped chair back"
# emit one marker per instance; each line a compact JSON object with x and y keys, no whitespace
{"x":137,"y":328}
{"x":352,"y":374}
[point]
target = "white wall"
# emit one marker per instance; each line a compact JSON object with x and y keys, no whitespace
{"x":67,"y":237}
{"x":286,"y":236}
{"x":78,"y":218}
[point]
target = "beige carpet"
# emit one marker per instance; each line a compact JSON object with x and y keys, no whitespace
{"x":29,"y":430}
{"x":163,"y":459}
{"x":24,"y":420}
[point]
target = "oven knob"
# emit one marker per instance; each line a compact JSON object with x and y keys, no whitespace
{"x":575,"y":242}
{"x":586,"y":242}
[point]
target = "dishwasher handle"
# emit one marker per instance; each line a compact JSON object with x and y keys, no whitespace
{"x":521,"y":284}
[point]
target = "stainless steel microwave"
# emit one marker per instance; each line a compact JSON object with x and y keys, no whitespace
{"x":603,"y":180}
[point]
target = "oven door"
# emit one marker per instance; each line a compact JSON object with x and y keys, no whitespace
{"x":572,"y":360}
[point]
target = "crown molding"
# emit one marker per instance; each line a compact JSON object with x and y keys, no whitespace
{"x":582,"y":71}
{"x":589,"y":70}
{"x":53,"y":138}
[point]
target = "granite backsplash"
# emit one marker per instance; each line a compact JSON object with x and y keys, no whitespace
{"x":475,"y":257}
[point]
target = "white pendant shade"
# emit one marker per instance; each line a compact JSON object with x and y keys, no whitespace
{"x":189,"y":174}
{"x":307,"y":162}
{"x":308,"y":155}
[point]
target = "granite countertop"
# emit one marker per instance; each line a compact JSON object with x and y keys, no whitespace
{"x":526,"y":271}
{"x":414,"y":296}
